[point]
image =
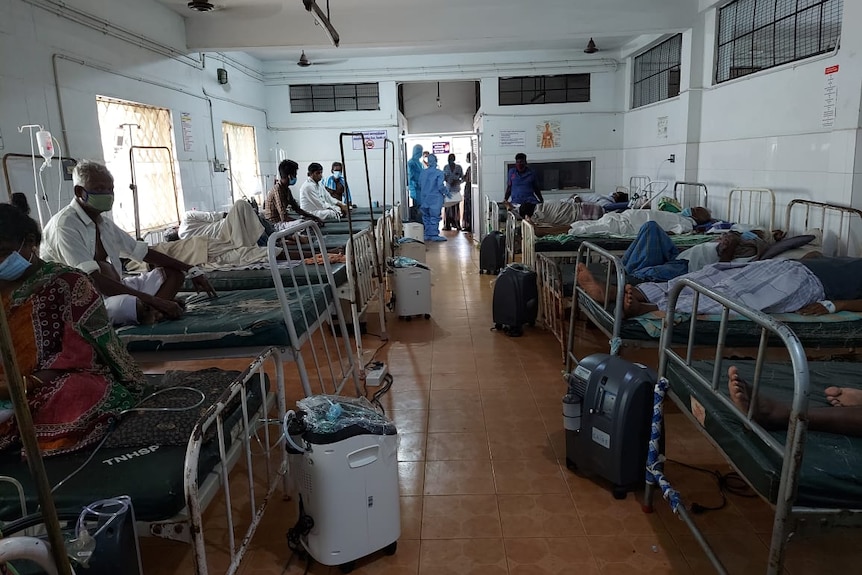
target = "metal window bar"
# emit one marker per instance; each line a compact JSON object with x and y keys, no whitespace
{"x":755,"y":35}
{"x":526,"y":90}
{"x":334,"y":97}
{"x":656,"y":73}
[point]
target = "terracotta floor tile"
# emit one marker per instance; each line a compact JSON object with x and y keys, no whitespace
{"x":453,"y":380}
{"x":472,"y":446}
{"x":463,"y":557}
{"x":409,"y":420}
{"x":456,"y":421}
{"x":604,"y":515}
{"x":551,"y":556}
{"x":411,"y":446}
{"x":405,"y":561}
{"x":741,"y":553}
{"x":411,"y":517}
{"x":405,"y":399}
{"x":457,"y":399}
{"x":458,"y":478}
{"x":527,"y":443}
{"x":411,"y":477}
{"x":548,"y":515}
{"x":528,"y":476}
{"x":652,"y":554}
{"x":460,"y":517}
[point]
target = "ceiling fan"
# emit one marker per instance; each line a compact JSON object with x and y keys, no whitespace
{"x":304,"y":62}
{"x":265,"y":11}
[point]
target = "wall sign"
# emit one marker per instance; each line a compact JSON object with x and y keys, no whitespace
{"x":374,"y":140}
{"x":513,"y":139}
{"x":661,"y":127}
{"x":548,"y":134}
{"x":830,"y":97}
{"x":439,"y":148}
{"x":186,"y":125}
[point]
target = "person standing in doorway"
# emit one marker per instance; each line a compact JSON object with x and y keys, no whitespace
{"x":425,"y":159}
{"x":434,"y":192}
{"x":466,"y":221}
{"x":414,"y":172}
{"x":522,"y":187}
{"x":453,"y":175}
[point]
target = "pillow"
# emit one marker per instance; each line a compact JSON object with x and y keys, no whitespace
{"x":782,"y":246}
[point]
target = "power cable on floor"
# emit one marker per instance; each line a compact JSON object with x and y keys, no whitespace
{"x":731,"y":482}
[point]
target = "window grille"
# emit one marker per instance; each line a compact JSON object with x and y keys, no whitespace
{"x":149,"y":129}
{"x":754,"y":35}
{"x":656,"y":73}
{"x":334,"y":97}
{"x":521,"y":90}
{"x":241,"y":151}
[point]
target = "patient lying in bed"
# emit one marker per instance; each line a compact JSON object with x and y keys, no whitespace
{"x":629,"y":222}
{"x":814,"y":286}
{"x":844,"y":417}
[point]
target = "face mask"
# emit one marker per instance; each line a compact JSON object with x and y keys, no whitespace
{"x":14,"y":266}
{"x":291,"y":181}
{"x":336,"y":175}
{"x":99,"y":202}
{"x":686,"y":213}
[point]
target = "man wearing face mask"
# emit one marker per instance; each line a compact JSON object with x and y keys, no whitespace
{"x":336,"y":185}
{"x":453,"y":175}
{"x":280,"y":198}
{"x":80,"y":236}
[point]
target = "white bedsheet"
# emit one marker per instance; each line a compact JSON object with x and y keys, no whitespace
{"x":628,"y":223}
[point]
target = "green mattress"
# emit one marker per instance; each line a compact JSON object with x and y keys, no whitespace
{"x":244,"y":318}
{"x":838,"y":330}
{"x":341,"y":228}
{"x":831,"y":474}
{"x":150,"y":470}
{"x":303,"y":274}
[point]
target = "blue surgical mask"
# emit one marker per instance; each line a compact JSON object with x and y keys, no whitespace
{"x":14,"y":266}
{"x":686,"y":213}
{"x":336,"y":175}
{"x":291,"y":181}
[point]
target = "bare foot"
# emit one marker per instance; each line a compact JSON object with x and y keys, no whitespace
{"x":634,"y":302}
{"x":589,"y":284}
{"x":844,"y":396}
{"x":767,"y":413}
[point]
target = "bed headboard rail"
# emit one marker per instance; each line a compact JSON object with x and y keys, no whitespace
{"x":841,"y":225}
{"x":690,"y":194}
{"x":752,"y":206}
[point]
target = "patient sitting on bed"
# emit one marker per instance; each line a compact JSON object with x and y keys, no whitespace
{"x":813,"y":286}
{"x":844,"y":417}
{"x":77,"y":375}
{"x":80,"y":235}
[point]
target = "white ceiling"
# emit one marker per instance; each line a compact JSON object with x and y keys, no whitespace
{"x":279,"y":29}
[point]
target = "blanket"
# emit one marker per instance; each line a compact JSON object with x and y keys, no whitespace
{"x":566,"y":212}
{"x":629,"y":222}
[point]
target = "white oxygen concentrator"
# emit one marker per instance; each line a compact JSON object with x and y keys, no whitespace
{"x":347,"y":482}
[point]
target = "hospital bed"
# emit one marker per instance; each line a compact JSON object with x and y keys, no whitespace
{"x":813,"y":480}
{"x":834,"y":333}
{"x":286,"y":316}
{"x":173,"y":465}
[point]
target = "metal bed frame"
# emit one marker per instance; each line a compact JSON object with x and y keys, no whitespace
{"x":848,"y":221}
{"x":752,"y":205}
{"x":789,"y":518}
{"x":308,"y":240}
{"x":683,"y":191}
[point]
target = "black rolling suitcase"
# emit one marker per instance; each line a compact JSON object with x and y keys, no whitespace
{"x":516,"y":299}
{"x":492,"y":253}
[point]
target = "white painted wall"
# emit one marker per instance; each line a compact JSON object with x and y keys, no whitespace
{"x":590,"y":130}
{"x":91,"y":63}
{"x":455,"y":113}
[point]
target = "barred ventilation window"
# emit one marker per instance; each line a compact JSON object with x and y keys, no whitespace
{"x":334,"y":97}
{"x":240,"y":147}
{"x":656,"y":73}
{"x":141,"y":136}
{"x":520,"y":90}
{"x":754,"y":35}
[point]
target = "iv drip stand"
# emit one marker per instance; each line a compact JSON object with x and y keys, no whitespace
{"x":35,"y":176}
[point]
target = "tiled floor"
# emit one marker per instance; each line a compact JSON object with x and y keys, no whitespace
{"x":484,"y":486}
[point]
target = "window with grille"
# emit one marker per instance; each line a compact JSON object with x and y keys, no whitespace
{"x":241,"y":150}
{"x":520,"y":90}
{"x":754,"y":35}
{"x":334,"y":97}
{"x":656,"y":73}
{"x":138,"y":142}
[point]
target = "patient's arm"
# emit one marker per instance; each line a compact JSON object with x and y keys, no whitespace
{"x":817,"y":308}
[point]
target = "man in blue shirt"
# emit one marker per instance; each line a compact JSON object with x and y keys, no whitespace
{"x":522,"y":187}
{"x":336,"y":185}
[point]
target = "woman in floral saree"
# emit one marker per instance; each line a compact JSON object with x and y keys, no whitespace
{"x":77,"y":374}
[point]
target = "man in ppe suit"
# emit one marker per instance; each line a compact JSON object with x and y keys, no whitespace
{"x":434,"y":192}
{"x":414,"y":172}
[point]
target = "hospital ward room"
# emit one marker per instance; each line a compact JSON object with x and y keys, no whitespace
{"x":313,"y":287}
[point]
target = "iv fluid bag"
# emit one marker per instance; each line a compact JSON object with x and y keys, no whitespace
{"x":46,"y":145}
